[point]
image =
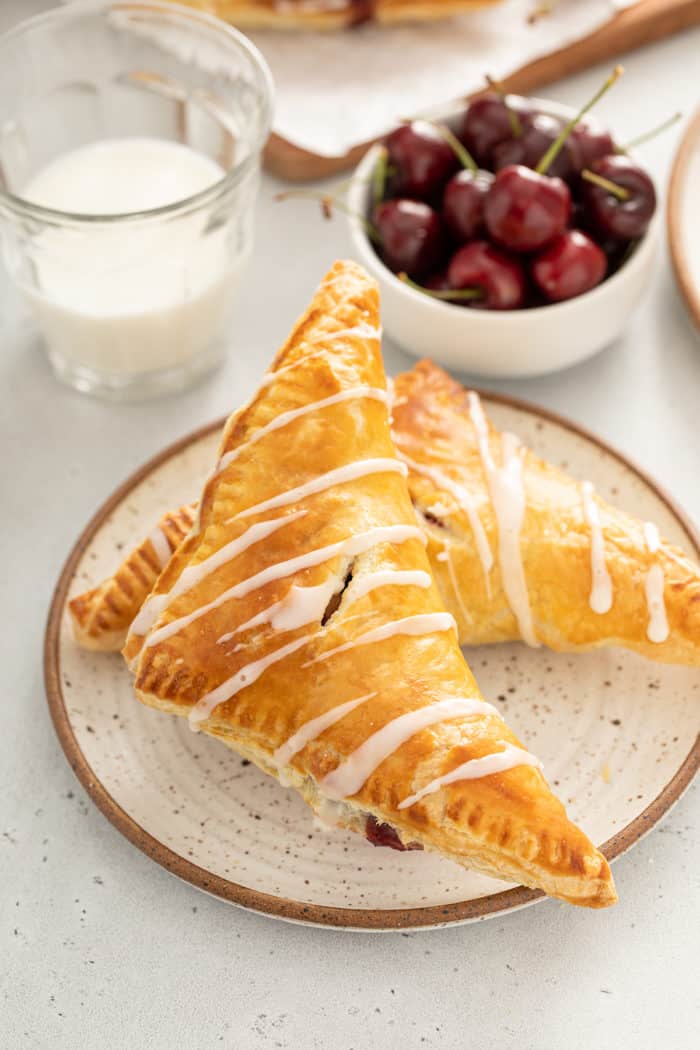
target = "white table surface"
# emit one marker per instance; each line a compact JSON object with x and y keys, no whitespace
{"x":100,"y":947}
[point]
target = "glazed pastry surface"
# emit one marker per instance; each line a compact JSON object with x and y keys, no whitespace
{"x":298,"y":622}
{"x":591,"y":574}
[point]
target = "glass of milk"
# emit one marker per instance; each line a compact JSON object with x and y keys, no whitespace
{"x":130,"y":143}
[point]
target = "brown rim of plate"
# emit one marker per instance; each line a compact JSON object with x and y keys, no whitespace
{"x":279,"y":907}
{"x":681,"y":268}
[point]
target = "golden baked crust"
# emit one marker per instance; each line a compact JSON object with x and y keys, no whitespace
{"x":285,"y":14}
{"x":205,"y":647}
{"x":389,"y":11}
{"x":433,"y":428}
{"x":101,"y":617}
{"x":331,"y":14}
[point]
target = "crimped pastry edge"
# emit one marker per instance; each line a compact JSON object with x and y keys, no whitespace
{"x":591,"y":892}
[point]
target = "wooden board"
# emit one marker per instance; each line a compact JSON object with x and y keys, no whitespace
{"x":645,"y":23}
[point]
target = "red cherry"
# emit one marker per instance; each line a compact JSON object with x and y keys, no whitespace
{"x":411,"y":236}
{"x":569,"y":266}
{"x":532,"y":145}
{"x":384,"y":835}
{"x":524,"y":210}
{"x":422,"y":158}
{"x":487,"y":121}
{"x":592,"y":142}
{"x":463,"y":202}
{"x":498,"y":275}
{"x":626,"y":219}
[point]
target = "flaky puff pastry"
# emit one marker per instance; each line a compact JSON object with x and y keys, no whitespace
{"x":560,"y":549}
{"x":287,"y":14}
{"x":424,"y":10}
{"x":575,"y":573}
{"x":101,"y":617}
{"x":300,"y":624}
{"x":331,"y":14}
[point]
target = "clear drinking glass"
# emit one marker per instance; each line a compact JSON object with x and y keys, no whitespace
{"x":134,"y":304}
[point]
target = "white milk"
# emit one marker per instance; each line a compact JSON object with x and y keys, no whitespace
{"x":130,"y":297}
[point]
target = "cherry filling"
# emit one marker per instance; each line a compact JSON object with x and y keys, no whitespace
{"x":384,"y":835}
{"x":433,"y":520}
{"x":334,"y":603}
{"x":429,"y":517}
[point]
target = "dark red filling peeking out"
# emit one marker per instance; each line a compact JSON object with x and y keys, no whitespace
{"x":384,"y":835}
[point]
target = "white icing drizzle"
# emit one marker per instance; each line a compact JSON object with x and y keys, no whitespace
{"x":312,"y":730}
{"x":154,"y":606}
{"x":284,"y":418}
{"x":423,"y":623}
{"x":335,"y":278}
{"x":350,"y":472}
{"x":244,"y":677}
{"x":347,"y":779}
{"x":148,"y":614}
{"x":362,"y":330}
{"x":681,"y":559}
{"x":446,"y":556}
{"x":508,"y":498}
{"x":194,"y":574}
{"x":351,"y":546}
{"x":651,"y":537}
{"x":161,"y":546}
{"x":299,"y":607}
{"x":465,"y":501}
{"x":439,"y":510}
{"x":657,"y":628}
{"x":601,"y":598}
{"x":475,"y":768}
{"x":371,"y":581}
{"x":270,"y":377}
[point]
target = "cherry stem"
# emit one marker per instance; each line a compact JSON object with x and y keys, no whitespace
{"x":327,"y":204}
{"x":462,"y":154}
{"x":379,"y":177}
{"x":649,"y":134}
{"x":456,"y":294}
{"x":620,"y":192}
{"x":541,"y":10}
{"x":460,"y":151}
{"x":550,"y":155}
{"x":516,"y":125}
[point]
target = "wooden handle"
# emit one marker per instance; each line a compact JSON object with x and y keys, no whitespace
{"x":632,"y":28}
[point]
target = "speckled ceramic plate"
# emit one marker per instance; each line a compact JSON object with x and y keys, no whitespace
{"x":683,"y":217}
{"x":617,"y":734}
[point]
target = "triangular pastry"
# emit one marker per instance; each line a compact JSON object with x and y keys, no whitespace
{"x":298,"y":623}
{"x":522,"y":550}
{"x":102,"y":616}
{"x":331,"y":14}
{"x":577,"y":574}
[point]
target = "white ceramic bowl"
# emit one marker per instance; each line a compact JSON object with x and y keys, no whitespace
{"x":511,"y":342}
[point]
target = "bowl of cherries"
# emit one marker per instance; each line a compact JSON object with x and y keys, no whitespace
{"x":510,"y":236}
